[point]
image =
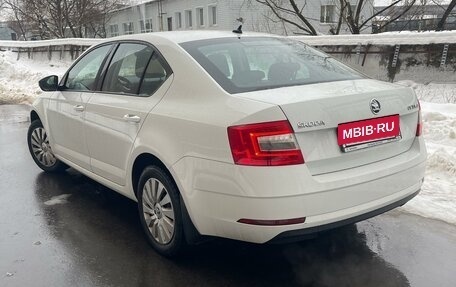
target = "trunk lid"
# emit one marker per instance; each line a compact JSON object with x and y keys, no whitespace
{"x":315,"y":111}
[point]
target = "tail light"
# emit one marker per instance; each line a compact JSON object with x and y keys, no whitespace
{"x":264,"y":144}
{"x":419,"y":125}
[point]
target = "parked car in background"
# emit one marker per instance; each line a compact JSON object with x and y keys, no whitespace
{"x":251,"y":137}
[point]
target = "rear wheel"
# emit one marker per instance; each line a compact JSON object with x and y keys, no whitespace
{"x":40,"y":149}
{"x":160,"y":211}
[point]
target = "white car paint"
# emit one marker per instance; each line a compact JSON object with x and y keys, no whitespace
{"x":184,"y":124}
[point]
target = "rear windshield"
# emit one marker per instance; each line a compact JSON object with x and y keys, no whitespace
{"x":258,"y":63}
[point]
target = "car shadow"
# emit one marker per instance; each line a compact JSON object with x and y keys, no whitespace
{"x":99,"y":232}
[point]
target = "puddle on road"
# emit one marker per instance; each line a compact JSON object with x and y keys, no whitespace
{"x":59,"y":199}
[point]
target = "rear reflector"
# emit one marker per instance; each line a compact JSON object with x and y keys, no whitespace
{"x":264,"y":144}
{"x":419,"y":129}
{"x":273,"y":222}
{"x":419,"y":125}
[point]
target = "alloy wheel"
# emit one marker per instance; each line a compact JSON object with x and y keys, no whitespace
{"x":41,"y":148}
{"x":158,"y":211}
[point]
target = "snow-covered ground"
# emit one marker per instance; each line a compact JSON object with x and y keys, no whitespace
{"x":18,"y":84}
{"x":19,"y":79}
{"x":438,"y":195}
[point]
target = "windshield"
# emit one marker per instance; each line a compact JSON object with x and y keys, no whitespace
{"x":259,"y":63}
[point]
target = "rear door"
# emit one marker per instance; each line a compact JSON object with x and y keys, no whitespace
{"x":135,"y":81}
{"x":66,"y":108}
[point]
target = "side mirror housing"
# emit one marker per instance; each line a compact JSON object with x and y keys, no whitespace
{"x":49,"y":84}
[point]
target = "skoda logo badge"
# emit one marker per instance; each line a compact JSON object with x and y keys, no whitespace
{"x":375,"y":106}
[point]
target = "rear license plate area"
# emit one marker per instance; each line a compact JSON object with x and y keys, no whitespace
{"x":368,"y":133}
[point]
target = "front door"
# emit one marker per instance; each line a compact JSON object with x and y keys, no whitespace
{"x":66,"y":109}
{"x":115,"y":115}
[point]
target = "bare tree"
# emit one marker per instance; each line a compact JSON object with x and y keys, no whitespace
{"x":356,"y":22}
{"x":353,"y":15}
{"x":447,"y":12}
{"x":350,"y":13}
{"x":61,"y":18}
{"x":288,"y":11}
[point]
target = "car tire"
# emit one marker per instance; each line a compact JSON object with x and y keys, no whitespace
{"x":160,"y":211}
{"x":40,"y":149}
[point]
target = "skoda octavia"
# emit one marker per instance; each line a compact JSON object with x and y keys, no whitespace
{"x":251,"y":137}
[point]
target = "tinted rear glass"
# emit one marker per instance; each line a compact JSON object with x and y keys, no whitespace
{"x":259,"y":63}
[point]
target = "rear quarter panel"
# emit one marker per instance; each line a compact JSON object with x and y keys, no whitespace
{"x":192,"y":118}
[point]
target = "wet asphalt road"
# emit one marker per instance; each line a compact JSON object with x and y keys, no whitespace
{"x":67,"y":230}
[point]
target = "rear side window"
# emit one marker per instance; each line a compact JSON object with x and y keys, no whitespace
{"x":136,"y":69}
{"x":258,"y":63}
{"x":157,"y":72}
{"x":127,"y":68}
{"x":83,"y":74}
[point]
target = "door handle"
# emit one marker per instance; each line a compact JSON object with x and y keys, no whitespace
{"x":79,"y":108}
{"x":132,"y":118}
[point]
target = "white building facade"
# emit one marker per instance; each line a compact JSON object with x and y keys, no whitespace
{"x":170,"y":15}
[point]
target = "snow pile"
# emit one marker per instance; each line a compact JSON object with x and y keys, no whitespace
{"x":386,"y":39}
{"x":438,"y":195}
{"x":433,"y":92}
{"x":53,"y":42}
{"x":19,"y":79}
{"x":59,"y":199}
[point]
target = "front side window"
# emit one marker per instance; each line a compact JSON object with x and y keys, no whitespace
{"x":259,"y":63}
{"x":82,"y":76}
{"x":127,"y":68}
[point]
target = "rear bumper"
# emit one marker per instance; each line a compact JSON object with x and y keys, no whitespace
{"x":300,"y":234}
{"x":217,"y":195}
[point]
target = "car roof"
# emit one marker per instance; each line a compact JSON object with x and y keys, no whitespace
{"x":187,"y":36}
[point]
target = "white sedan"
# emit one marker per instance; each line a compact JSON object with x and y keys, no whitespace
{"x":251,"y":137}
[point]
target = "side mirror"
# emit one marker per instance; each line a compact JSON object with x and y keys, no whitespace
{"x":49,"y":84}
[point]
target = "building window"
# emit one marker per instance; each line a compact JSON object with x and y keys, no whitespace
{"x":188,"y":19}
{"x":114,"y":30}
{"x":128,"y":28}
{"x":213,"y":15}
{"x":178,"y":20}
{"x":327,"y":14}
{"x":200,"y":16}
{"x":145,"y":26}
{"x":170,"y":23}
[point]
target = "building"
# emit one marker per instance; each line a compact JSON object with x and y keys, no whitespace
{"x":168,"y":15}
{"x":7,"y":33}
{"x":417,"y":18}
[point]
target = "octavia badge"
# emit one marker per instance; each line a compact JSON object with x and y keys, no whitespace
{"x":375,"y":106}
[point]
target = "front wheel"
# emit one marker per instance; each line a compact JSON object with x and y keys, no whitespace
{"x":40,"y":149}
{"x":160,"y":211}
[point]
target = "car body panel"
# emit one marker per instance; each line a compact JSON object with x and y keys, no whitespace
{"x":184,"y":125}
{"x":333,"y":103}
{"x":110,"y":134}
{"x":217,"y":199}
{"x":63,"y":115}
